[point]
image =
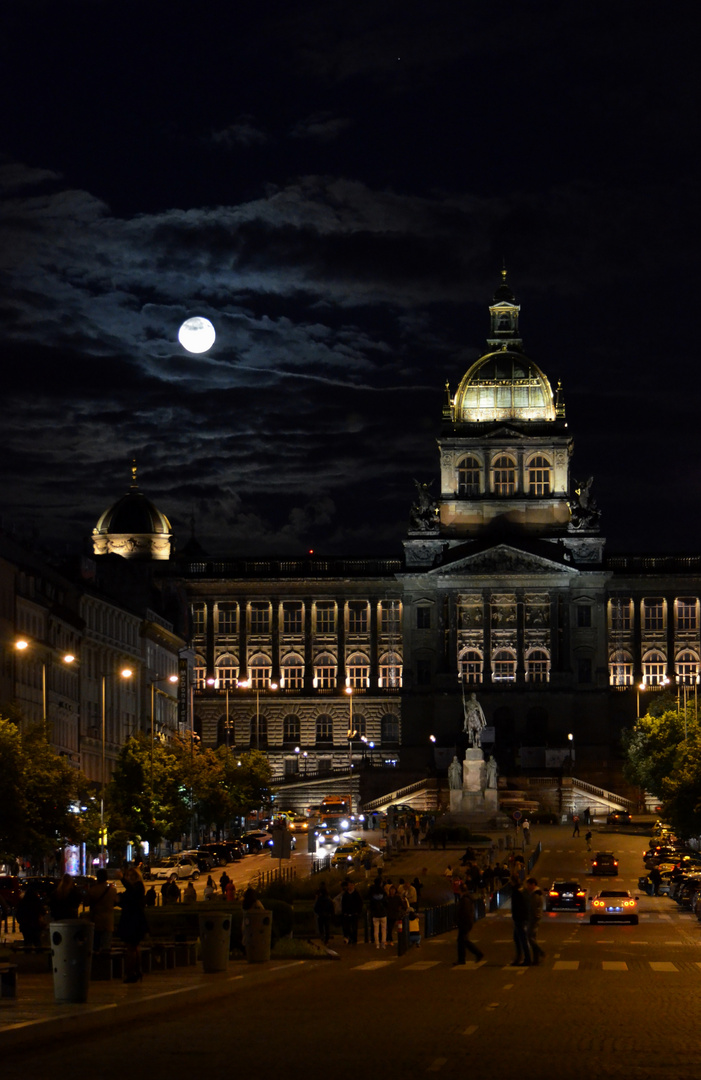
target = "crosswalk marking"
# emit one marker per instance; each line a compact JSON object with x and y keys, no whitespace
{"x":436,"y":1065}
{"x":373,"y":965}
{"x":422,"y":965}
{"x":614,"y":965}
{"x":663,"y":965}
{"x":566,"y":965}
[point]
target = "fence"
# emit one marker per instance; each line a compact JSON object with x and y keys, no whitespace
{"x":280,"y":873}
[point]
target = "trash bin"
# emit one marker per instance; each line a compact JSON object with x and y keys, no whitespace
{"x":257,"y":930}
{"x":215,"y":940}
{"x":71,"y":958}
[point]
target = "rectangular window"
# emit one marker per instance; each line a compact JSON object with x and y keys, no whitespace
{"x":292,"y":618}
{"x":423,"y":618}
{"x":687,"y":618}
{"x":260,"y":618}
{"x":227,"y":619}
{"x":357,"y":617}
{"x":620,"y":611}
{"x":390,"y":617}
{"x":293,"y":676}
{"x":326,"y":618}
{"x":584,"y":615}
{"x":199,"y":618}
{"x":653,"y":614}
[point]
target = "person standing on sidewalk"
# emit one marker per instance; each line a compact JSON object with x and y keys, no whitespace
{"x":534,"y":897}
{"x":377,"y":903}
{"x":465,"y":920}
{"x":102,"y":898}
{"x":351,"y":907}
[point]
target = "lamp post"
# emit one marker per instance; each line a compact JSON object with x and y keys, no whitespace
{"x":351,"y":735}
{"x":639,"y":688}
{"x":247,"y":684}
{"x":21,"y":645}
{"x":125,"y":673}
{"x":571,"y":739}
{"x":154,"y":691}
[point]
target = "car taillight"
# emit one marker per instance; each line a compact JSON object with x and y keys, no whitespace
{"x":552,"y":893}
{"x":582,"y":893}
{"x":597,"y":903}
{"x":629,"y":903}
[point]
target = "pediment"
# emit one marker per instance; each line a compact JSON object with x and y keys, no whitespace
{"x":504,"y":559}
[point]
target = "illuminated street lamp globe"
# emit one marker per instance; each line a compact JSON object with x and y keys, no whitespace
{"x":197,"y":334}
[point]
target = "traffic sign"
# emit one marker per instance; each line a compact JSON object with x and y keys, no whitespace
{"x":517,"y":815}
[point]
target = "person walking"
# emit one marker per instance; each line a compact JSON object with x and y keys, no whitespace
{"x":396,"y":909}
{"x":656,"y":880}
{"x":210,"y":888}
{"x":323,"y":909}
{"x":351,"y":907}
{"x":526,"y":827}
{"x":170,"y":891}
{"x":132,"y":927}
{"x":190,"y":894}
{"x":519,"y":916}
{"x":102,"y":898}
{"x":587,"y":837}
{"x":224,"y":881}
{"x":377,"y":903}
{"x":465,"y":920}
{"x":575,"y":822}
{"x":534,"y":896}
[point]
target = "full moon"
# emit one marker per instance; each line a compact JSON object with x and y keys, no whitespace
{"x":197,"y":334}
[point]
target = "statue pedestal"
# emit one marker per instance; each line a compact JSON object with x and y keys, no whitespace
{"x":474,"y":799}
{"x":473,"y":770}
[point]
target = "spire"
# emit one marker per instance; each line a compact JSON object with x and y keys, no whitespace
{"x":559,"y":402}
{"x":133,"y":484}
{"x":504,"y":313}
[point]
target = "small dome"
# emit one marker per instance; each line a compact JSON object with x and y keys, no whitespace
{"x":133,"y":528}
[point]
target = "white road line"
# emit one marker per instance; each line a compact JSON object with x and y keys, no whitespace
{"x":566,"y":965}
{"x":421,"y":965}
{"x":373,"y":965}
{"x":663,"y":965}
{"x":508,"y":986}
{"x":614,"y":965}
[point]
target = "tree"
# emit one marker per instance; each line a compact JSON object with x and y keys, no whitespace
{"x":663,"y":756}
{"x":13,"y":801}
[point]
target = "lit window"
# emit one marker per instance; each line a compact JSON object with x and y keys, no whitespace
{"x":504,"y":666}
{"x":199,"y":618}
{"x":537,"y":666}
{"x":324,"y":729}
{"x":358,"y":671}
{"x":539,"y":476}
{"x":469,"y":473}
{"x":199,"y":673}
{"x":326,"y":618}
{"x":653,"y":614}
{"x":357,"y":617}
{"x":504,"y":472}
{"x":390,"y":671}
{"x":292,"y":673}
{"x":471,"y":665}
{"x":654,"y":668}
{"x":227,"y":620}
{"x":621,"y":669}
{"x":325,"y":672}
{"x":227,"y":671}
{"x":292,"y":618}
{"x":260,"y":618}
{"x":687,"y":668}
{"x":620,"y":613}
{"x":687,"y":613}
{"x":260,"y":672}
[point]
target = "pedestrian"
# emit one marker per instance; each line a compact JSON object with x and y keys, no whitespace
{"x":396,"y":909}
{"x":210,"y":888}
{"x":587,"y":815}
{"x":132,"y":927}
{"x":170,"y":891}
{"x":417,"y":886}
{"x":190,"y":894}
{"x":575,"y":822}
{"x":249,"y":902}
{"x":534,"y":897}
{"x":656,"y":879}
{"x":323,"y":909}
{"x":151,"y":898}
{"x":65,"y":900}
{"x":31,"y":916}
{"x":102,"y":898}
{"x":587,"y":837}
{"x":224,"y":881}
{"x":526,"y":826}
{"x":230,"y":892}
{"x":377,"y":904}
{"x":351,"y":907}
{"x":519,"y":916}
{"x":465,"y":920}
{"x":456,"y":886}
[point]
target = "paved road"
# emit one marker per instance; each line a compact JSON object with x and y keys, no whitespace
{"x":609,"y":1001}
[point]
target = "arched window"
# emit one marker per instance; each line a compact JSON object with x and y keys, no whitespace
{"x":539,"y":475}
{"x":504,"y":666}
{"x":504,"y":475}
{"x":469,"y":476}
{"x":199,"y":673}
{"x":389,"y":729}
{"x":325,"y":672}
{"x":687,"y":668}
{"x":654,"y":668}
{"x":471,"y":666}
{"x":390,"y":671}
{"x":227,"y":671}
{"x":358,"y":671}
{"x":292,"y":672}
{"x":260,"y":671}
{"x":259,"y":732}
{"x":537,"y":666}
{"x":291,"y":730}
{"x":324,"y":729}
{"x":621,"y":668}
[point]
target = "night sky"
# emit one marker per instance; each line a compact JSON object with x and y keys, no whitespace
{"x":335,"y":185}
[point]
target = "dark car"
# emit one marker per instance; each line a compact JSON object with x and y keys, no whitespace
{"x":604,"y":862}
{"x":256,"y":841}
{"x":566,"y":896}
{"x":619,"y":817}
{"x":10,"y":887}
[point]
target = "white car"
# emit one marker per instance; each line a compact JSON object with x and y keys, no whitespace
{"x":180,"y":865}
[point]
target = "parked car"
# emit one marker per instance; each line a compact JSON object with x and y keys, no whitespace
{"x":619,"y":817}
{"x":256,"y":841}
{"x":614,"y":905}
{"x":180,"y":865}
{"x":604,"y":862}
{"x":566,"y":896}
{"x":205,"y":861}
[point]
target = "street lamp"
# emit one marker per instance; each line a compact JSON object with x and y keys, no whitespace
{"x":125,"y":673}
{"x":351,"y":735}
{"x":640,"y":687}
{"x":67,"y":658}
{"x":571,"y":739}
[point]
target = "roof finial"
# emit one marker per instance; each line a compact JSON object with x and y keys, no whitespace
{"x":503,"y":270}
{"x":133,"y":473}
